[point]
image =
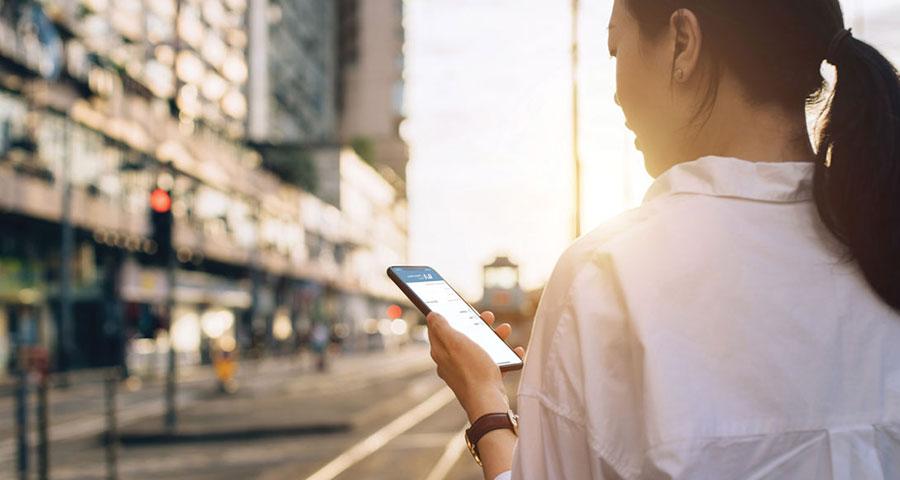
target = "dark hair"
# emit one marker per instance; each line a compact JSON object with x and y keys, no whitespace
{"x":777,"y":48}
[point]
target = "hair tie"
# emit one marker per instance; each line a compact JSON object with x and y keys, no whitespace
{"x":836,"y":46}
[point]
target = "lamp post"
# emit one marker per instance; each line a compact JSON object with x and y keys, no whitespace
{"x":576,"y":154}
{"x":66,"y":326}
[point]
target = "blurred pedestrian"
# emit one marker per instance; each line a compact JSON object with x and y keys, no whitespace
{"x":319,"y":341}
{"x":743,"y":322}
{"x":224,"y":356}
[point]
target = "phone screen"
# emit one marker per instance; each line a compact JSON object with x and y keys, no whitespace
{"x":439,"y":297}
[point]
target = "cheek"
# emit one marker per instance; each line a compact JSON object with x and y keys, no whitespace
{"x":643,"y":94}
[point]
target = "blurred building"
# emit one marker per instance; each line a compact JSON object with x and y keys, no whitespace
{"x":293,"y":58}
{"x":503,"y":295}
{"x":370,"y":73}
{"x":104,"y":101}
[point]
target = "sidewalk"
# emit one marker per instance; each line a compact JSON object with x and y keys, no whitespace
{"x":296,"y":418}
{"x":57,"y":380}
{"x":261,"y":406}
{"x":266,"y":405}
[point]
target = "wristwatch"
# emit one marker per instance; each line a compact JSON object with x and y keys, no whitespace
{"x":488,"y":423}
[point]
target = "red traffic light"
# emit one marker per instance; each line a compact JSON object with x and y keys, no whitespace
{"x":394,"y":311}
{"x":160,"y":201}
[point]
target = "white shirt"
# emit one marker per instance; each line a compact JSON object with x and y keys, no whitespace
{"x":713,"y":333}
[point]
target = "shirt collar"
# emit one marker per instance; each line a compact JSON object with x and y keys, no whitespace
{"x":735,"y":178}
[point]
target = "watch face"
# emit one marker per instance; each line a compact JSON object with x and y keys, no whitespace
{"x":473,"y":451}
{"x":514,"y":419}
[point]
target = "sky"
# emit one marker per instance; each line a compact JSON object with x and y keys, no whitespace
{"x":488,"y":101}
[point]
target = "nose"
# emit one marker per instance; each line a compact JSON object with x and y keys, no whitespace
{"x":616,"y":99}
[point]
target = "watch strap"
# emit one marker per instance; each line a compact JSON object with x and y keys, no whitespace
{"x":485,"y":424}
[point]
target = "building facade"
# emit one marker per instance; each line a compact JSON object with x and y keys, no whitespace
{"x":370,"y":63}
{"x":293,"y":52}
{"x":104,"y":102}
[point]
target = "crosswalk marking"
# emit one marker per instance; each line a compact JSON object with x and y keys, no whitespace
{"x":375,"y":441}
{"x":455,"y":447}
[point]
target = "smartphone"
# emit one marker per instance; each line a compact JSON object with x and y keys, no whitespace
{"x":430,"y":293}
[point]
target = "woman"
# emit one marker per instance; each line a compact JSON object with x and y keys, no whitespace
{"x":743,"y":322}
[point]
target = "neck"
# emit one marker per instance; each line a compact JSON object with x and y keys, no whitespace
{"x":760,"y":133}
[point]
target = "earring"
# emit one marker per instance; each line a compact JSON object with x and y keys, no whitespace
{"x":679,"y":74}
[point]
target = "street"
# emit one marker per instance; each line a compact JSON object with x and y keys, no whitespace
{"x":383,"y":415}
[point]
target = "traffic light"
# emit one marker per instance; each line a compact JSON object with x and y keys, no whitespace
{"x":161,"y":225}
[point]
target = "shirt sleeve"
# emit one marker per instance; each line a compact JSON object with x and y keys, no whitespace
{"x":507,"y":475}
{"x":578,"y":400}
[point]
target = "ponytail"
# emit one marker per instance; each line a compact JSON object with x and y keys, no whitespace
{"x":857,"y":177}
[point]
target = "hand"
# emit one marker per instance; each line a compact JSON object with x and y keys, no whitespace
{"x":468,"y":370}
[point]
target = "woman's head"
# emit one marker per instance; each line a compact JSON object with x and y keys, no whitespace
{"x":657,"y":81}
{"x":683,"y":65}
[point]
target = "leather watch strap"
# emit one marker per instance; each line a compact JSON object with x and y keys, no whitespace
{"x":488,"y":423}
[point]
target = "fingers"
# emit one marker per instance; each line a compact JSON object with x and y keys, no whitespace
{"x":520,"y":351}
{"x":504,"y":330}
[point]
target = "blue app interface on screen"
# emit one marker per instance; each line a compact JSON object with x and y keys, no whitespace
{"x":437,"y":294}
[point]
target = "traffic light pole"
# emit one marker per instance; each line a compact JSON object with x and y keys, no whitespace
{"x":162,"y":225}
{"x":171,"y":383}
{"x":21,"y":409}
{"x":171,"y":413}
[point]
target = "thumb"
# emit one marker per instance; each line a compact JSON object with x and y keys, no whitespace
{"x":436,"y":321}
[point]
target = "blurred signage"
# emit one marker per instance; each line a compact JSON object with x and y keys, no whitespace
{"x":143,"y":285}
{"x":149,"y":285}
{"x":20,"y":281}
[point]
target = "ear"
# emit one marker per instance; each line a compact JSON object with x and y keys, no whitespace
{"x":685,"y":27}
